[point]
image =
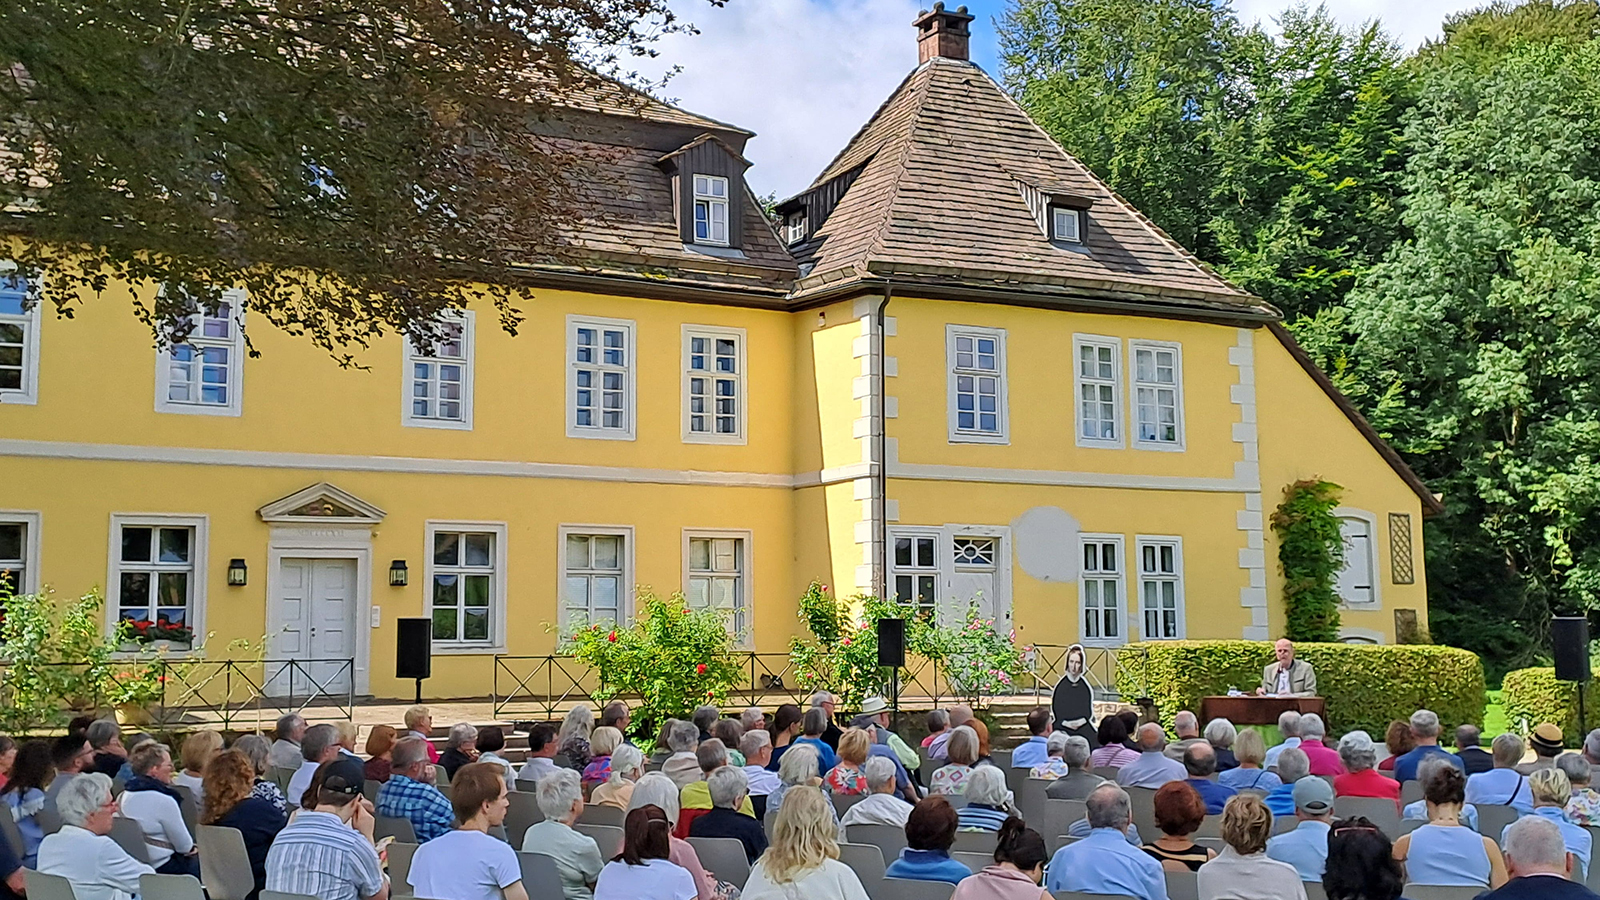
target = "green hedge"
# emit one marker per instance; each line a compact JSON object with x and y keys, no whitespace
{"x":1536,"y":696}
{"x":1366,"y":686}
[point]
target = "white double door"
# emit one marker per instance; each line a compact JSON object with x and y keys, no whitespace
{"x":314,"y":624}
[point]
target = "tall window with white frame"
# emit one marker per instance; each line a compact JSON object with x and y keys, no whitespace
{"x":440,"y":377}
{"x":203,"y":373}
{"x":155,"y":582}
{"x":717,"y":580}
{"x":13,"y":558}
{"x":601,"y":379}
{"x":1161,"y":588}
{"x":916,"y":572}
{"x":977,"y":382}
{"x":19,"y":338}
{"x":463,"y":587}
{"x":1100,"y":586}
{"x":710,"y":209}
{"x":713,"y":386}
{"x":1158,"y":395}
{"x":594,"y":576}
{"x":1099,"y":374}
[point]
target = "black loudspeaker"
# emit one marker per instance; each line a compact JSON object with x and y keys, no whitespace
{"x":1569,"y":639}
{"x":892,"y":642}
{"x":413,"y":655}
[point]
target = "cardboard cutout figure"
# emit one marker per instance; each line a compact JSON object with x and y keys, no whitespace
{"x":1072,"y":704}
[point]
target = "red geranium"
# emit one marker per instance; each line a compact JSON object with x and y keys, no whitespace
{"x":700,"y":669}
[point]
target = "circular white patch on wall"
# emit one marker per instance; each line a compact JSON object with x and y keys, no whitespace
{"x":1047,"y":543}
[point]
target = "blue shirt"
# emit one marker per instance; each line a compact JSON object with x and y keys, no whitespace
{"x":1032,"y":753}
{"x":1576,"y":837}
{"x":1105,"y":863}
{"x":1281,"y":799}
{"x":1274,"y":752}
{"x":1418,"y":809}
{"x":1215,"y":795}
{"x":1501,"y":787}
{"x":1080,"y":830}
{"x":978,"y":817}
{"x":826,"y":759}
{"x":1305,"y":848}
{"x":1405,"y":768}
{"x":927,"y":865}
{"x":427,"y":809}
{"x":1449,"y":855}
{"x":1241,"y":779}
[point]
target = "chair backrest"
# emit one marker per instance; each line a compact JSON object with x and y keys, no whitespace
{"x":907,"y":889}
{"x":400,"y":854}
{"x":130,"y":837}
{"x":1143,"y":802}
{"x":369,"y":790}
{"x":1379,"y":810}
{"x":48,"y":817}
{"x":1410,"y":791}
{"x":1015,"y":777}
{"x":866,"y":860}
{"x":540,"y":877}
{"x":13,"y":834}
{"x":1409,"y":825}
{"x":888,"y":838}
{"x":607,"y":837}
{"x":1030,"y":796}
{"x":188,"y":807}
{"x":397,"y":827}
{"x":1056,"y":843}
{"x":1592,"y":877}
{"x":1001,"y":758}
{"x":975,"y":841}
{"x":1057,"y":815}
{"x":724,"y":857}
{"x":977,"y":862}
{"x":523,"y":814}
{"x":284,"y":895}
{"x":280,"y":776}
{"x":842,"y":802}
{"x":1439,"y":892}
{"x":1492,"y":820}
{"x":1284,"y":824}
{"x":1079,"y":895}
{"x":957,"y":801}
{"x":614,"y":816}
{"x":1210,"y":826}
{"x":441,"y":776}
{"x":1214,"y":844}
{"x":1314,"y":890}
{"x":1182,"y":886}
{"x":224,"y":863}
{"x":48,"y":887}
{"x":1106,"y":772}
{"x":170,"y":887}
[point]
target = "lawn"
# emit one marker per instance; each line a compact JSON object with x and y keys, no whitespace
{"x":1494,"y":716}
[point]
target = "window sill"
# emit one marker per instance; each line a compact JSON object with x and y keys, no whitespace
{"x":197,"y":409}
{"x":722,"y":251}
{"x":468,"y":649}
{"x":1159,"y":447}
{"x":446,"y":424}
{"x":962,"y":437}
{"x":1092,"y":444}
{"x":598,"y":434}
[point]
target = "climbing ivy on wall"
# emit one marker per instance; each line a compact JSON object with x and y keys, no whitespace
{"x":1310,"y":552}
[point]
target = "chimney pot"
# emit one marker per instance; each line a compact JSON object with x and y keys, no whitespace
{"x":943,"y":34}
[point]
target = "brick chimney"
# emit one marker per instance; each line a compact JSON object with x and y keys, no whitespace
{"x":941,"y":33}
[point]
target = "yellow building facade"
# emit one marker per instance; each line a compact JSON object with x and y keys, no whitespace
{"x":959,"y":371}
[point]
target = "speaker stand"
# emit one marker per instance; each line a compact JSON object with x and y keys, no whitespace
{"x":1583,"y":718}
{"x":418,"y":701}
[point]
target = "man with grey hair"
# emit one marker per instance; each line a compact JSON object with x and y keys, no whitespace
{"x":756,"y":745}
{"x":1078,"y":782}
{"x":1324,"y":759}
{"x":881,"y":806}
{"x":1200,"y":762}
{"x":319,"y":744}
{"x":577,"y":856}
{"x":615,"y":715}
{"x":105,"y":736}
{"x":1591,"y":747}
{"x":1292,"y":766}
{"x":1221,"y":734}
{"x":752,"y":718}
{"x":1289,"y":727}
{"x":711,"y":756}
{"x":729,"y":793}
{"x":286,"y":748}
{"x":1538,"y":863}
{"x":1473,"y":757}
{"x":682,"y":766}
{"x":410,"y":794}
{"x":1187,"y":726}
{"x":829,"y":704}
{"x":1425,"y":731}
{"x":704,"y":717}
{"x":460,"y":748}
{"x":1153,"y":768}
{"x":1502,"y":785}
{"x":1104,"y":862}
{"x":82,"y":852}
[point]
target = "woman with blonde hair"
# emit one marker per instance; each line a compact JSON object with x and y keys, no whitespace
{"x":602,"y":744}
{"x":627,"y":767}
{"x":803,"y":858}
{"x":380,"y":741}
{"x":231,"y":802}
{"x":198,"y":748}
{"x":572,"y":741}
{"x":1243,"y":871}
{"x":848,"y":778}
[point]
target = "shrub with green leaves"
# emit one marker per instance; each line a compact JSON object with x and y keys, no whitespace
{"x":1533,"y":696}
{"x":1310,"y":552}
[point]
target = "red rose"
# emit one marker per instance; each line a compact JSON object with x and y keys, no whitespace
{"x":612,"y":637}
{"x":700,"y":669}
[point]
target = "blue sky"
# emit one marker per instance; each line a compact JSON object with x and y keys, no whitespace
{"x":806,"y":74}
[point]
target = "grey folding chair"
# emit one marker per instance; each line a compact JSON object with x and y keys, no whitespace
{"x":280,"y":776}
{"x":48,"y":887}
{"x":49,"y":818}
{"x":130,"y":837}
{"x":1314,"y":890}
{"x":1001,"y":758}
{"x":540,"y":877}
{"x":1210,"y":826}
{"x":1213,"y":844}
{"x":1056,"y":816}
{"x":1056,"y":843}
{"x":370,"y":790}
{"x":224,"y":863}
{"x":975,"y":841}
{"x":1107,"y":772}
{"x":1182,"y":886}
{"x":397,"y":827}
{"x":523,"y":814}
{"x":594,"y":814}
{"x":1015,"y":777}
{"x":1592,"y":877}
{"x":888,"y":838}
{"x":1410,"y":791}
{"x":13,"y":834}
{"x":284,"y":895}
{"x":400,"y":855}
{"x":843,"y":802}
{"x":866,"y":860}
{"x":441,"y":778}
{"x":907,"y":889}
{"x":1378,"y":810}
{"x":1409,"y":825}
{"x":170,"y":887}
{"x":1079,"y":895}
{"x":1439,"y":892}
{"x":974,"y":861}
{"x":956,"y":801}
{"x":724,"y":857}
{"x":1030,"y":794}
{"x":607,"y":837}
{"x":1143,"y":802}
{"x":1492,"y":820}
{"x":188,"y":807}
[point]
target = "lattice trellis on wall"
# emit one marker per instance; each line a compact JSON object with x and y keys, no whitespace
{"x":1402,"y":567}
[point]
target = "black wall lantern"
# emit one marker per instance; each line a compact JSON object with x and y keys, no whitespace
{"x":397,"y":573}
{"x":237,"y":573}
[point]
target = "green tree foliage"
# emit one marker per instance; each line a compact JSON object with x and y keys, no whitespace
{"x":1310,"y":552}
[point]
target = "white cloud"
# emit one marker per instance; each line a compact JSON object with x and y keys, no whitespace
{"x":1411,"y":23}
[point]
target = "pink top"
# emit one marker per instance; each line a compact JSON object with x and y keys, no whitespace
{"x":682,"y":854}
{"x":999,"y":883}
{"x":1323,"y":760}
{"x":1114,"y":755}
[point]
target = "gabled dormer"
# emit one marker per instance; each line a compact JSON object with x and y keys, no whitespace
{"x":1061,"y":213}
{"x":709,"y":194}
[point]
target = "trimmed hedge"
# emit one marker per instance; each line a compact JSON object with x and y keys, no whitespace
{"x":1536,"y":695}
{"x":1366,"y":686}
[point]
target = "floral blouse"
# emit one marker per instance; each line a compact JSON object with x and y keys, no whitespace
{"x":1050,"y":769}
{"x":597,"y":771}
{"x":845,"y":779}
{"x":951,"y":779}
{"x":576,"y":749}
{"x":1584,"y":807}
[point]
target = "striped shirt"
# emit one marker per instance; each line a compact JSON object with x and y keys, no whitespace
{"x":320,"y":856}
{"x":429,"y":812}
{"x":978,"y":817}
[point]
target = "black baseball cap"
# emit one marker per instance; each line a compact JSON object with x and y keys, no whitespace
{"x":344,"y":775}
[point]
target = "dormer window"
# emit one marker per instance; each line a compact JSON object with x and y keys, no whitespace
{"x":794,"y":227}
{"x":710,"y":209}
{"x":1066,"y":224}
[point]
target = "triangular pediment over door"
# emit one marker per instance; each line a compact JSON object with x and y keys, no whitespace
{"x":321,"y":503}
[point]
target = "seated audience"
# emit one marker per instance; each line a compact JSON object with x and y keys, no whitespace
{"x":960,"y":715}
{"x":540,"y":758}
{"x":577,"y":856}
{"x":696,"y":796}
{"x":1445,"y":851}
{"x":752,"y":719}
{"x":71,"y":755}
{"x":784,"y":730}
{"x":460,"y":748}
{"x":491,"y":741}
{"x":468,"y":863}
{"x":380,"y":740}
{"x":1289,"y":727}
{"x":1036,"y":749}
{"x":1153,"y":768}
{"x":814,"y":726}
{"x":729,"y":789}
{"x":24,"y":795}
{"x":930,"y":832}
{"x":82,"y":852}
{"x":328,"y":852}
{"x":1186,"y":725}
{"x":1361,"y":863}
{"x":1591,"y":747}
{"x":1306,"y":847}
{"x":256,"y":749}
{"x":705,"y":718}
{"x":1076,"y":782}
{"x":798,"y":769}
{"x":643,"y":870}
{"x":1397,"y":740}
{"x":419,"y":725}
{"x":1502,"y":785}
{"x":961,"y":751}
{"x":1112,"y":752}
{"x":1547,"y":744}
{"x":803,"y":860}
{"x":615,"y":715}
{"x":627,"y":767}
{"x":1425,"y":735}
{"x":1221,"y":734}
{"x":318,"y":745}
{"x":683,"y":767}
{"x":1292,"y":766}
{"x":231,"y":803}
{"x":1130,"y":724}
{"x":602,"y":743}
{"x":1474,"y":758}
{"x":1418,"y":810}
{"x":1053,"y":766}
{"x":846,"y":778}
{"x":572,"y":741}
{"x":1104,"y":862}
{"x":198,"y":748}
{"x":148,"y":798}
{"x":988,"y":801}
{"x":1179,"y":812}
{"x":410,"y":794}
{"x":656,"y":789}
{"x":881,"y":806}
{"x":756,"y":745}
{"x":1584,"y":807}
{"x":110,"y":756}
{"x":1250,"y":750}
{"x":1243,"y":871}
{"x":728,"y":732}
{"x":1538,"y":866}
{"x":938,"y":723}
{"x":1551,"y":794}
{"x":1200,"y":761}
{"x":1019,"y":858}
{"x":1362,"y":779}
{"x":286,"y":746}
{"x":1324,"y":759}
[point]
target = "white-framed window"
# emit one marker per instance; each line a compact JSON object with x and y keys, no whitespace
{"x":1157,"y":395}
{"x":1357,"y":580}
{"x":1101,"y":590}
{"x":466,"y":584}
{"x":596,"y":574}
{"x":204,"y":375}
{"x":600,"y":378}
{"x":1097,"y":385}
{"x":19,"y":336}
{"x":1066,"y":224}
{"x":914,"y":569}
{"x":977,"y":384}
{"x":437,"y":391}
{"x":157,"y":579}
{"x":713,"y":385}
{"x":717,"y":576}
{"x":710,"y":209}
{"x":794,"y":227}
{"x":1161,"y":587}
{"x":19,"y":552}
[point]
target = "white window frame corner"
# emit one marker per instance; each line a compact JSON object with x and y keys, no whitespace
{"x":201,"y":523}
{"x":32,"y":522}
{"x":741,"y":339}
{"x":238,"y":297}
{"x":625,"y":602}
{"x":497,"y":600}
{"x":1132,"y":364}
{"x":1139,"y":542}
{"x":747,"y":560}
{"x":469,"y":354}
{"x":32,"y":341}
{"x":1002,"y":398}
{"x":1118,"y":391}
{"x":1374,"y":560}
{"x":1121,"y":541}
{"x":569,"y":399}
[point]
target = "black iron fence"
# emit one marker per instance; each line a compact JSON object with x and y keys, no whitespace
{"x":228,"y":692}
